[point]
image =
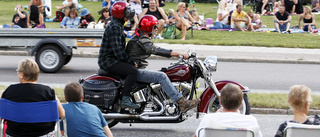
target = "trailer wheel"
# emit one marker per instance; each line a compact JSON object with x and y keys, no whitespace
{"x":67,"y":60}
{"x":50,"y":58}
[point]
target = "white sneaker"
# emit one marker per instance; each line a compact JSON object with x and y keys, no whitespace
{"x":159,"y":36}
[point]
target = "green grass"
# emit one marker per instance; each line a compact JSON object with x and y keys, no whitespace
{"x":276,"y":100}
{"x":201,"y":37}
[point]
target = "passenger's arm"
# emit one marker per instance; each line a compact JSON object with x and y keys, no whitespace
{"x":60,"y":108}
{"x":107,"y":131}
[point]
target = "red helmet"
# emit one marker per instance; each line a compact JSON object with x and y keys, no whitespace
{"x":147,"y":23}
{"x":120,"y":10}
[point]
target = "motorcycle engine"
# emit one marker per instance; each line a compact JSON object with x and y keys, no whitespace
{"x":141,"y":95}
{"x":171,"y":109}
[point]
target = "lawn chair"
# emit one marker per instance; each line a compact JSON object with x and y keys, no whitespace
{"x":30,"y":112}
{"x":301,"y":130}
{"x":226,"y":132}
{"x":188,"y":36}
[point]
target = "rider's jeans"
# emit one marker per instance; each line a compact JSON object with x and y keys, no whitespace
{"x":150,"y":76}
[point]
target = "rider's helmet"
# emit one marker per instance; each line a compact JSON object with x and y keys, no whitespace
{"x":148,"y":23}
{"x":120,"y":10}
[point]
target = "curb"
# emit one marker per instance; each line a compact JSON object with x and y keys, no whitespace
{"x":95,"y":55}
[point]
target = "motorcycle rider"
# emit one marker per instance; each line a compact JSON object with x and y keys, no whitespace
{"x":112,"y":57}
{"x":139,"y":48}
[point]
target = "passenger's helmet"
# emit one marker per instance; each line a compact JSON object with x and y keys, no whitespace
{"x":120,"y":10}
{"x":148,"y":23}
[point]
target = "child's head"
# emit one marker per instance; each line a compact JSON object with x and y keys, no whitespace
{"x":73,"y":92}
{"x":171,"y":11}
{"x":299,"y":98}
{"x":194,"y":12}
{"x":250,"y":13}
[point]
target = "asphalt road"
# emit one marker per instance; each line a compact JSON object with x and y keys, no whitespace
{"x":259,"y":77}
{"x":268,"y":126}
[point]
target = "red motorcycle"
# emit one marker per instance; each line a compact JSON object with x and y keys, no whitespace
{"x":105,"y":90}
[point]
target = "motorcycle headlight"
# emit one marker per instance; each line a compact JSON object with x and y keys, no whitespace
{"x":211,"y":63}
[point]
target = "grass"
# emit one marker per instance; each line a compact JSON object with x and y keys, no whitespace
{"x":201,"y":37}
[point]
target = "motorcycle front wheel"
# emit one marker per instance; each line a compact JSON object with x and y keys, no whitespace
{"x":214,"y":105}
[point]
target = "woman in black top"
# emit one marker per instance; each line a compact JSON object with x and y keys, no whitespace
{"x":308,"y":18}
{"x":28,"y":91}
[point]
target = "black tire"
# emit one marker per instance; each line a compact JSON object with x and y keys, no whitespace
{"x":50,"y":58}
{"x":67,"y":60}
{"x":111,"y":122}
{"x":214,"y":105}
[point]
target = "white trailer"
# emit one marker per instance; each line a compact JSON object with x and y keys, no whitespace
{"x":52,"y":48}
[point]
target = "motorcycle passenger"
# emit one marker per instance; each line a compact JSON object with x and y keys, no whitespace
{"x":140,"y":48}
{"x":112,"y":57}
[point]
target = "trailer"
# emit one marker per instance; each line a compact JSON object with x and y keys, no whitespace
{"x":52,"y":48}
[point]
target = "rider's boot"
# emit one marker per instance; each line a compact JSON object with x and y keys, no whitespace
{"x":186,"y":105}
{"x":126,"y":103}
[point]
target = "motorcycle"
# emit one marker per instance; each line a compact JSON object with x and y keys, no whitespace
{"x":104,"y":91}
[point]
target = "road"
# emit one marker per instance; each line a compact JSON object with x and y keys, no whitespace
{"x":259,"y":77}
{"x":268,"y":125}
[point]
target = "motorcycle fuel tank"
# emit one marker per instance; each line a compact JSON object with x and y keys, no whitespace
{"x":180,"y":72}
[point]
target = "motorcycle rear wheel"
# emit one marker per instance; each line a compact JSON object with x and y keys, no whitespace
{"x":214,"y":105}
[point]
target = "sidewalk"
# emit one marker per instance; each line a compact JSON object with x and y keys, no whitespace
{"x":232,"y":53}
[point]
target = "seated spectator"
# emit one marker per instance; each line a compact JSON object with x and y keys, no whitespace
{"x":171,"y":16}
{"x":298,"y":7}
{"x":107,"y":4}
{"x":196,"y":17}
{"x":67,"y":5}
{"x":232,"y":6}
{"x":38,"y":3}
{"x":238,"y":22}
{"x":255,"y":19}
{"x":83,"y":119}
{"x":19,"y":19}
{"x":35,"y":19}
{"x":71,"y":21}
{"x":86,"y":18}
{"x":276,"y":7}
{"x":290,"y":5}
{"x":159,"y":13}
{"x":282,"y":20}
{"x":105,"y":16}
{"x":222,"y":17}
{"x":136,"y":5}
{"x":183,"y":18}
{"x":309,"y":20}
{"x":131,"y":24}
{"x":229,"y":114}
{"x":315,"y":5}
{"x":265,"y":8}
{"x":29,"y":91}
{"x":299,"y":100}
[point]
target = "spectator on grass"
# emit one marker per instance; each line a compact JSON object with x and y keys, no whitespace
{"x":19,"y":19}
{"x":309,"y":20}
{"x":35,"y":18}
{"x":238,"y":22}
{"x":107,"y":4}
{"x":38,"y":3}
{"x":105,"y":17}
{"x":159,"y":13}
{"x":290,"y":5}
{"x":196,"y":17}
{"x":255,"y":20}
{"x":228,"y":115}
{"x":276,"y":7}
{"x":183,"y":18}
{"x":136,"y":5}
{"x":71,"y":21}
{"x":265,"y":8}
{"x":83,"y":119}
{"x":299,"y":99}
{"x":67,"y":5}
{"x":222,"y":17}
{"x":282,"y":20}
{"x":86,"y":18}
{"x":171,"y":18}
{"x":29,"y":91}
{"x":315,"y":5}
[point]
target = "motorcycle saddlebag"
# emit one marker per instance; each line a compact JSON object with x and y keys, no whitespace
{"x":101,"y":93}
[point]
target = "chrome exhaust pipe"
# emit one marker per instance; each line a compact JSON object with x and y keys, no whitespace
{"x":155,"y":113}
{"x":120,"y":116}
{"x":147,"y":118}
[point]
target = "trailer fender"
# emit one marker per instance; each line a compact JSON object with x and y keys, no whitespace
{"x":66,"y":50}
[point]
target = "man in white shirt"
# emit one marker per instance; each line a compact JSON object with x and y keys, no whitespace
{"x":67,"y":5}
{"x":229,"y":115}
